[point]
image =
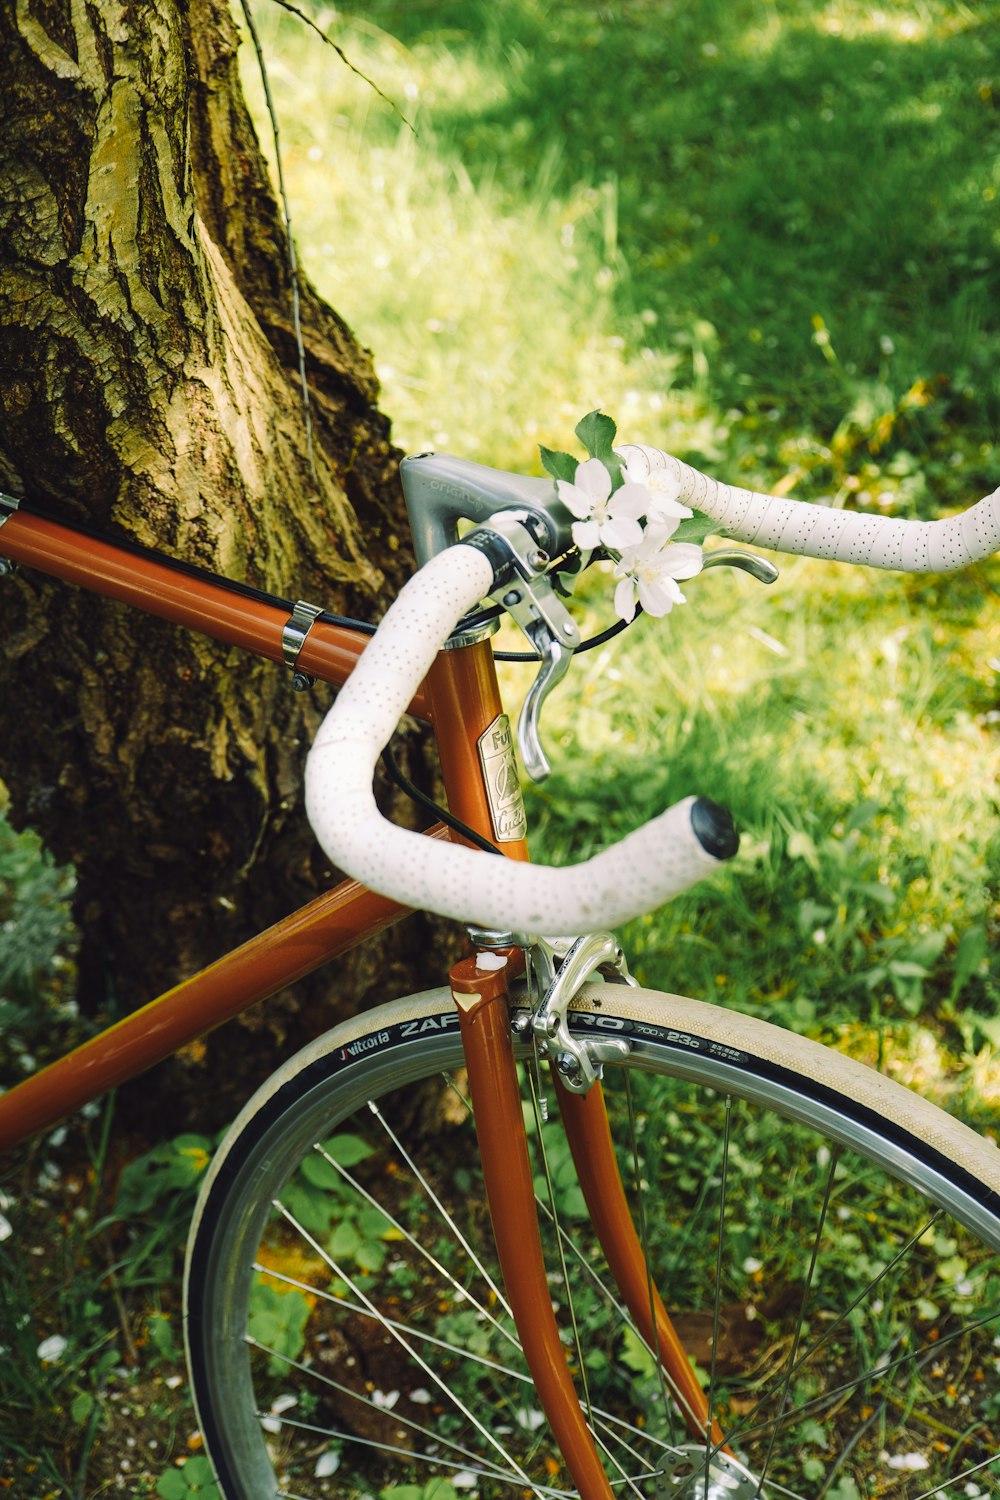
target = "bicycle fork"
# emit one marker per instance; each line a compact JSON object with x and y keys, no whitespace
{"x":481,"y":996}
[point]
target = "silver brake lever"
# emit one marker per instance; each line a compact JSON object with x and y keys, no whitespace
{"x":748,"y":562}
{"x":555,"y":659}
{"x":546,"y":622}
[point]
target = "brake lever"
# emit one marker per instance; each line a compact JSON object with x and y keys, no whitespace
{"x":748,"y":562}
{"x":555,"y":659}
{"x":526,"y":593}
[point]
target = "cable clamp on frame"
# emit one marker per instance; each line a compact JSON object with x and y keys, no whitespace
{"x":9,"y":504}
{"x":293,"y":636}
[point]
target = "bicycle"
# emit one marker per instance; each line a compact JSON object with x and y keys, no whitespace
{"x":331,"y":1255}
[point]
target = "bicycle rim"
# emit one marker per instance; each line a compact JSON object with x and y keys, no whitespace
{"x":827,"y":1244}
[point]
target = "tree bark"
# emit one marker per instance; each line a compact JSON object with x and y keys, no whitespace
{"x":150,"y":386}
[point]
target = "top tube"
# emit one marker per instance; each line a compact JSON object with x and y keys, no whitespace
{"x":185,"y":595}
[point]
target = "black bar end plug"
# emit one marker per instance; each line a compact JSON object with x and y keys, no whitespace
{"x":714,"y":828}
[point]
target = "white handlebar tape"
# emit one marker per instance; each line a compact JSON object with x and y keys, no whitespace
{"x":646,"y":868}
{"x":836,"y":535}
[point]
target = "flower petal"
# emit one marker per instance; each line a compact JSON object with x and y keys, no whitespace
{"x":586,"y":535}
{"x":593,"y":478}
{"x":575,"y":500}
{"x":625,"y":599}
{"x":637,"y":471}
{"x":619,"y":532}
{"x":631,"y":500}
{"x":665,"y":508}
{"x":658,"y":596}
{"x":682,"y":560}
{"x":51,"y":1350}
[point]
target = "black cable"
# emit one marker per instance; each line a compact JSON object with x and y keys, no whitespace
{"x":276,"y":601}
{"x":588,"y":645}
{"x":416,"y":795}
{"x":189,"y":569}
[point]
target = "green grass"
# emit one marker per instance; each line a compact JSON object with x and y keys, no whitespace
{"x":761,"y":230}
{"x":763,"y":233}
{"x":760,"y":234}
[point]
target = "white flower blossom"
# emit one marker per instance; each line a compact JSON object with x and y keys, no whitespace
{"x":908,"y":1462}
{"x":603,"y":519}
{"x":648,"y":574}
{"x":663,"y":489}
{"x":529,"y":1418}
{"x":6,"y":1228}
{"x":328,"y":1463}
{"x":51,"y":1350}
{"x":272,"y":1422}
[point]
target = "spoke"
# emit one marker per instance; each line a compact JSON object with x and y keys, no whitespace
{"x":435,"y":1438}
{"x":955,"y":1479}
{"x":396,"y":1334}
{"x":446,"y":1216}
{"x":554,"y":1217}
{"x":485,"y":1471}
{"x":606,"y":1420}
{"x":588,"y":1406}
{"x":392,"y":1326}
{"x":787,"y":1385}
{"x":839,"y":1322}
{"x":421,"y":1250}
{"x":671,"y":1399}
{"x":477,"y":1466}
{"x":808,"y":1408}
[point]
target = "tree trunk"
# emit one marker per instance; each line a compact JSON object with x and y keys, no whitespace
{"x":150,"y":386}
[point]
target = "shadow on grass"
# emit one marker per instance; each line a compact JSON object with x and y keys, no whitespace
{"x":759,"y":168}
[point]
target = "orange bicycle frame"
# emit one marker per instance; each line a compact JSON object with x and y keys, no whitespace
{"x":461,"y":700}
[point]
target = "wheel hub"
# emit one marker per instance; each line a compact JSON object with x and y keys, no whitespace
{"x":684,"y":1473}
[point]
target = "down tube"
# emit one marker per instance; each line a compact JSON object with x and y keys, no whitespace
{"x":292,"y":948}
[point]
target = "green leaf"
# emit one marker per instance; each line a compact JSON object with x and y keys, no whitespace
{"x":319,"y":1173}
{"x":559,"y":465}
{"x":347,"y":1150}
{"x":635,"y":1354}
{"x":344,"y":1241}
{"x":971,"y":950}
{"x":439,"y":1489}
{"x":81,"y":1407}
{"x":278,"y":1319}
{"x":990,"y":1028}
{"x":313,"y":1210}
{"x":172,"y":1485}
{"x":862,"y":814}
{"x":370,"y":1255}
{"x":194,"y":1481}
{"x":375,"y":1224}
{"x":175,"y":1167}
{"x":597,"y":434}
{"x":695,"y":529}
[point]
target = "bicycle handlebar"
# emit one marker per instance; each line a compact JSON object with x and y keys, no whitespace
{"x":834,"y":535}
{"x":658,"y":860}
{"x":646,"y":868}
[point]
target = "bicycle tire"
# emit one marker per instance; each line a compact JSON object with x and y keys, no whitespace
{"x":823,"y":1385}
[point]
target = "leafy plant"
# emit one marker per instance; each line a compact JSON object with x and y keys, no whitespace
{"x":192,"y":1480}
{"x":37,"y":948}
{"x":324,"y":1202}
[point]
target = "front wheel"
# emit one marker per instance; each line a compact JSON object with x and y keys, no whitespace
{"x":827,"y":1243}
